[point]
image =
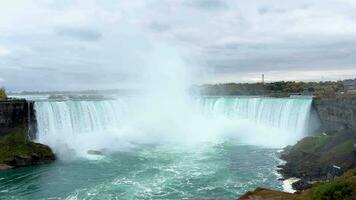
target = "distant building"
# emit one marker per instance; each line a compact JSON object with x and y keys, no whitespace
{"x":350,"y":86}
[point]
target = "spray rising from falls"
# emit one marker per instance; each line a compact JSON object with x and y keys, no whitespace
{"x":115,"y":123}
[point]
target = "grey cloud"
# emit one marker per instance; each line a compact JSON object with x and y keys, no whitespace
{"x":208,"y":4}
{"x":227,"y":37}
{"x":297,"y":55}
{"x":159,"y":27}
{"x":85,"y":34}
{"x":265,"y":10}
{"x":42,"y":68}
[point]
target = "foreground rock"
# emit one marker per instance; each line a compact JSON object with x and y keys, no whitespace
{"x":16,"y":150}
{"x":342,"y":188}
{"x":319,"y":158}
{"x":263,"y":193}
{"x":94,"y":152}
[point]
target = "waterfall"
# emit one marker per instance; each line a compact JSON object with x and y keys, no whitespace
{"x":254,"y":120}
{"x":78,"y":117}
{"x":290,"y":114}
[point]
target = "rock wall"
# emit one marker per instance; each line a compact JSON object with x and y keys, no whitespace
{"x":336,"y":113}
{"x":17,"y":113}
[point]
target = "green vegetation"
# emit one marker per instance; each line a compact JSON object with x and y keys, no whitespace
{"x":3,"y":94}
{"x":275,"y":89}
{"x":230,"y":89}
{"x":311,"y":144}
{"x":334,"y":190}
{"x":311,"y":154}
{"x":16,"y":144}
{"x":343,"y":188}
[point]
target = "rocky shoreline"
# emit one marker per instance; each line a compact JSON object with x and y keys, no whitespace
{"x":319,"y":158}
{"x":325,"y":166}
{"x":341,"y":188}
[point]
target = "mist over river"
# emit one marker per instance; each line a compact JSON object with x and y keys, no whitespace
{"x":219,"y":147}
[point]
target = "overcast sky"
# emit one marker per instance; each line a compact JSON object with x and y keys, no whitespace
{"x":98,"y":44}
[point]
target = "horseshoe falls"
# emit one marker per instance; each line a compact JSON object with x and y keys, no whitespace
{"x":286,"y":118}
{"x":165,"y":150}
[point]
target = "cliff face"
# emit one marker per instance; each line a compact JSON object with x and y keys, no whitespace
{"x":17,"y":113}
{"x":336,"y":113}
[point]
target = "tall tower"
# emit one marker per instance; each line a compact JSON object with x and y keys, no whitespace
{"x":263,"y":79}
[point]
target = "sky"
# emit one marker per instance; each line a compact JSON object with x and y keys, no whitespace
{"x":105,"y":44}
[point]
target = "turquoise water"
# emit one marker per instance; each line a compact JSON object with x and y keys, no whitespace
{"x":209,"y":170}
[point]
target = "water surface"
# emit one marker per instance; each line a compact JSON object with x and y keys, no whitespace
{"x":224,"y":170}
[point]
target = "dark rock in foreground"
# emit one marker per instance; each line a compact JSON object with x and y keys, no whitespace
{"x":263,"y":193}
{"x":342,"y":188}
{"x":319,"y":158}
{"x":94,"y":152}
{"x":16,"y":150}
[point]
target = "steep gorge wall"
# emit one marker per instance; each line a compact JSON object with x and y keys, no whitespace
{"x":16,"y":113}
{"x":336,"y":113}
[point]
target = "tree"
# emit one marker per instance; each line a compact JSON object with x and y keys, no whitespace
{"x":330,"y":90}
{"x":3,"y":93}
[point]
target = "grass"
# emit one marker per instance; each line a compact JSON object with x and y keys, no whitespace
{"x":312,"y":144}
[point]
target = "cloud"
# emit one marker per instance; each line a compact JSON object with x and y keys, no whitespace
{"x":4,"y":52}
{"x":85,"y":34}
{"x":207,"y":4}
{"x":106,"y":44}
{"x":159,"y":27}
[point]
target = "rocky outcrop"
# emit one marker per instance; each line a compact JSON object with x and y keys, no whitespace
{"x":336,"y":113}
{"x":17,"y":113}
{"x":343,"y":188}
{"x":263,"y":193}
{"x":319,"y":158}
{"x":17,"y":130}
{"x":330,"y":153}
{"x":17,"y":150}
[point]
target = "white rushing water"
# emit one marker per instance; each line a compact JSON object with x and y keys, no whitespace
{"x":111,"y":124}
{"x":78,"y":117}
{"x":290,"y":114}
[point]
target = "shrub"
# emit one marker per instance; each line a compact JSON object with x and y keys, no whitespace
{"x":332,"y":191}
